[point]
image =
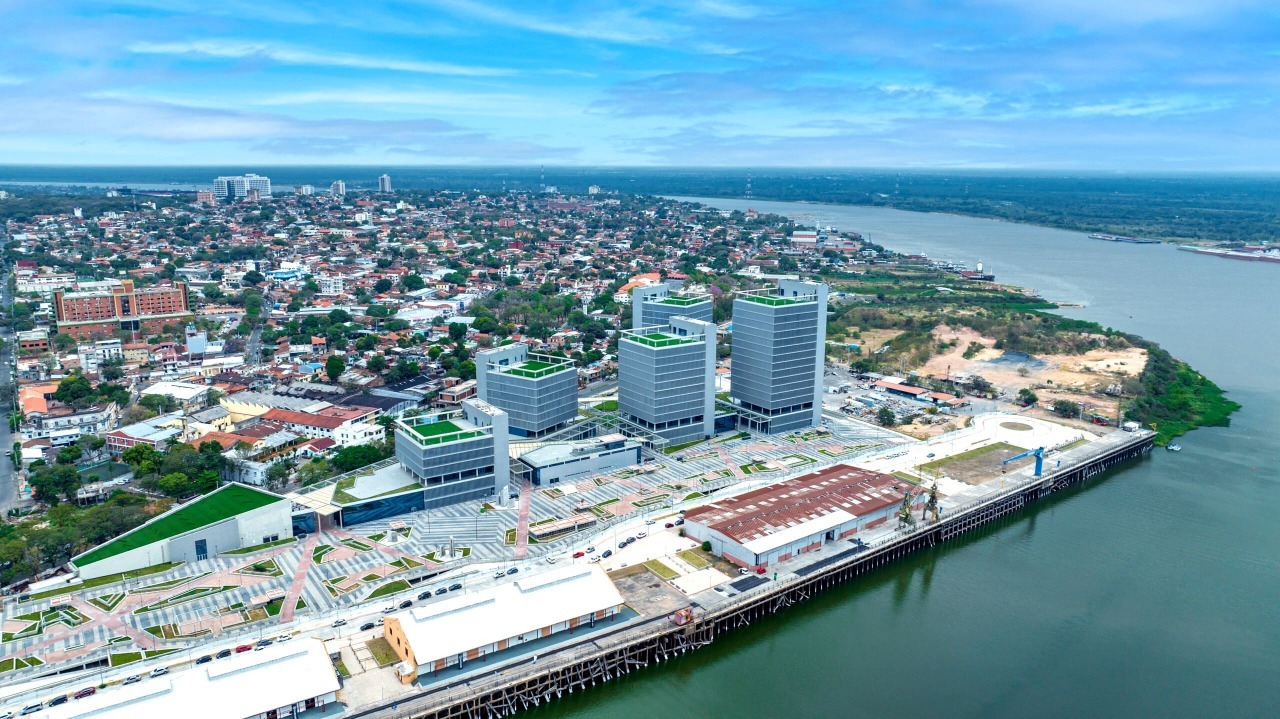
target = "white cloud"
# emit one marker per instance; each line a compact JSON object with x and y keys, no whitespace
{"x":236,"y":49}
{"x":614,"y":26}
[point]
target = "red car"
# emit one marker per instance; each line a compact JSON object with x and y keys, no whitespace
{"x":244,"y":648}
{"x":86,"y":692}
{"x":579,"y":555}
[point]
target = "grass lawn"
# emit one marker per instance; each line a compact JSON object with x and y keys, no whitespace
{"x":107,"y":602}
{"x":609,"y":405}
{"x":187,"y":596}
{"x":260,"y":547}
{"x":661,"y":569}
{"x":317,"y":554}
{"x":694,"y":495}
{"x":382,"y":652}
{"x":371,"y":577}
{"x":377,"y":537}
{"x":938,"y":464}
{"x":266,"y":567}
{"x":695,"y":558}
{"x":442,"y":431}
{"x":342,"y":669}
{"x":107,"y":579}
{"x":160,"y":586}
{"x":398,"y":585}
{"x":224,"y":503}
{"x":677,"y":447}
{"x":357,"y":545}
{"x":405,"y":563}
{"x":302,"y":604}
{"x":341,"y":495}
{"x":11,"y":663}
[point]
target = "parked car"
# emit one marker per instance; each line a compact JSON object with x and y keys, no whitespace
{"x":406,"y":604}
{"x":590,"y":550}
{"x":264,"y":642}
{"x":32,"y":709}
{"x":284,"y":637}
{"x":205,"y":659}
{"x":132,"y":679}
{"x":441,"y":590}
{"x":60,"y":699}
{"x":389,"y":609}
{"x":223,"y":654}
{"x":6,"y":715}
{"x":650,"y":521}
{"x":622,"y":544}
{"x":594,"y":559}
{"x":668,"y":525}
{"x":499,"y":574}
{"x":607,"y":553}
{"x":680,"y":521}
{"x":455,"y":586}
{"x":86,"y":692}
{"x":641,"y":535}
{"x":424,"y":596}
{"x":367,"y":626}
{"x":579,"y":555}
{"x":380,"y":621}
{"x":551,"y":560}
{"x":248,"y":647}
{"x":159,"y":672}
{"x":512,"y":570}
{"x":339,"y":622}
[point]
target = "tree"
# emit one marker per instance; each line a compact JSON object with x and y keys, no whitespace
{"x":175,"y":484}
{"x":1027,"y":397}
{"x":112,"y":369}
{"x":357,"y":456}
{"x":50,"y":483}
{"x":252,"y":278}
{"x":314,"y":471}
{"x":334,"y":367}
{"x":885,"y":417}
{"x":1066,"y":408}
{"x":377,"y":363}
{"x":457,"y":331}
{"x":72,"y":388}
{"x":338,"y":317}
{"x":158,"y":403}
{"x":69,"y":454}
{"x":278,"y":473}
{"x":212,"y":291}
{"x":412,"y":283}
{"x":378,"y":311}
{"x":139,"y":454}
{"x":383,"y":285}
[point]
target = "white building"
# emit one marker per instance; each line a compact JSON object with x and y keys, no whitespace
{"x":239,"y":185}
{"x":282,"y":680}
{"x":458,"y":629}
{"x":384,"y":183}
{"x":187,"y":394}
{"x":331,"y":284}
{"x":93,"y":356}
{"x":570,"y":461}
{"x":304,"y":190}
{"x":338,"y":188}
{"x":43,"y":284}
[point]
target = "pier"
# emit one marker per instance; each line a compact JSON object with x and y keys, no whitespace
{"x":576,"y":666}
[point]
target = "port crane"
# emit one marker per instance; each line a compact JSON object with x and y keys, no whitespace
{"x":1038,"y":453}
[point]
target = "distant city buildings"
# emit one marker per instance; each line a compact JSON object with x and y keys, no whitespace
{"x":666,"y":379}
{"x":238,"y":186}
{"x":206,"y":197}
{"x":338,"y":188}
{"x":779,"y":341}
{"x":538,"y":392}
{"x":304,"y":190}
{"x":384,"y":183}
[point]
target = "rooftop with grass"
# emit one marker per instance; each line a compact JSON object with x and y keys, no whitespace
{"x":660,"y":339}
{"x":777,"y":300}
{"x":429,"y":433}
{"x":533,"y":369}
{"x":217,"y":506}
{"x":684,"y":300}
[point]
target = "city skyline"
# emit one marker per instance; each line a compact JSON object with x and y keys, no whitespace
{"x":983,"y":84}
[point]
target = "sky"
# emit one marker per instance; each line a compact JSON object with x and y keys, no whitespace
{"x":1112,"y":85}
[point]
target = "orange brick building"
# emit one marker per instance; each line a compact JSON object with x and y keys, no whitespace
{"x":86,"y":315}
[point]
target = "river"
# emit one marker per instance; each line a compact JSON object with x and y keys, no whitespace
{"x":1154,"y":591}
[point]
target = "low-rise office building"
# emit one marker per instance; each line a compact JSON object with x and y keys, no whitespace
{"x":456,"y":630}
{"x":456,"y":456}
{"x":571,"y":461}
{"x":775,"y":523}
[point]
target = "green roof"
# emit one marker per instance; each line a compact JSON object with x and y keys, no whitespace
{"x":534,"y":369}
{"x":212,"y":508}
{"x":775,"y":300}
{"x":658,"y":339}
{"x":442,"y":431}
{"x":683,"y":301}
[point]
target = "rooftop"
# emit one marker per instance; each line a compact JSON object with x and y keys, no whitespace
{"x":684,"y":301}
{"x":442,"y":430}
{"x":457,"y":624}
{"x":659,"y":339}
{"x":217,"y":506}
{"x":775,"y":300}
{"x":534,"y":369}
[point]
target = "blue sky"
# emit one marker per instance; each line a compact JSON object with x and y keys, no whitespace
{"x":1075,"y":84}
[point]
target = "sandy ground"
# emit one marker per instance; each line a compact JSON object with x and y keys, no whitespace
{"x":1074,"y":377}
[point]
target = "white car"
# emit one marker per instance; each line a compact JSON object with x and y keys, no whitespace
{"x":284,"y":637}
{"x":641,"y":535}
{"x":550,"y":560}
{"x":594,"y":558}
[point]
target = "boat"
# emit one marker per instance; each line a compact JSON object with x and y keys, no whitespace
{"x":1124,"y":238}
{"x":1254,"y":256}
{"x":1174,"y":447}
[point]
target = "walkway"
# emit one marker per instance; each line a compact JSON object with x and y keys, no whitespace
{"x":522,"y":521}
{"x":299,"y":580}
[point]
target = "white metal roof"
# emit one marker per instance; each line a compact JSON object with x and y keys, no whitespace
{"x":242,"y":685}
{"x":458,"y":624}
{"x":798,"y":531}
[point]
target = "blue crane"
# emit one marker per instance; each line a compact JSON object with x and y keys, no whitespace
{"x":1038,"y":453}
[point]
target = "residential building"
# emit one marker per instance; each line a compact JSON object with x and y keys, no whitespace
{"x":122,"y":309}
{"x":453,"y":631}
{"x":456,"y":456}
{"x":331,"y":284}
{"x":43,"y":284}
{"x":384,"y":183}
{"x":63,"y":425}
{"x":653,"y":305}
{"x":188,"y":395}
{"x":238,"y":186}
{"x":93,"y":356}
{"x":775,"y":523}
{"x":157,"y":432}
{"x":538,"y":392}
{"x":344,"y":430}
{"x":338,"y":188}
{"x":558,"y":462}
{"x":666,"y":379}
{"x":36,"y":340}
{"x":779,"y":347}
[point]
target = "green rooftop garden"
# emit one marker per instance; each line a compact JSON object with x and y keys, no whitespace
{"x":223,"y":504}
{"x":774,"y":300}
{"x":534,"y":369}
{"x":658,"y":339}
{"x":430,"y":433}
{"x":683,"y":301}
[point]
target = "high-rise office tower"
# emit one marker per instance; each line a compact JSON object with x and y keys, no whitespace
{"x":657,"y":304}
{"x":384,"y":183}
{"x":666,"y":378}
{"x":779,"y":346}
{"x":538,"y":392}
